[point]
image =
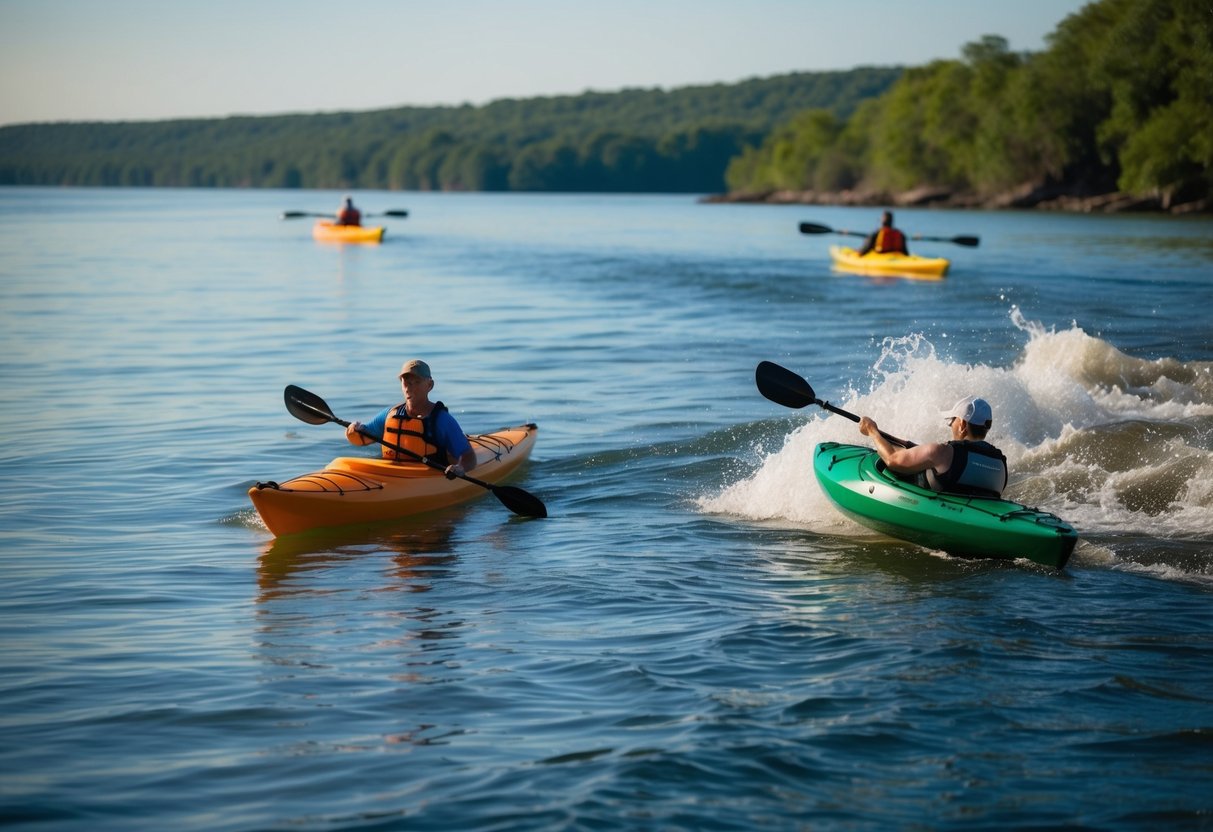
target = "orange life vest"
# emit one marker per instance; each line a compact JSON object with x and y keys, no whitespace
{"x":889,"y":240}
{"x":413,"y":433}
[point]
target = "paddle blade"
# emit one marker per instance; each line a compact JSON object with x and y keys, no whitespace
{"x":971,"y":242}
{"x":307,"y":407}
{"x":395,"y":213}
{"x":520,"y":502}
{"x":783,"y":386}
{"x":814,"y":228}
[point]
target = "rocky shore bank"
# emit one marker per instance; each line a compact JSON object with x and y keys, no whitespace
{"x":1043,"y":198}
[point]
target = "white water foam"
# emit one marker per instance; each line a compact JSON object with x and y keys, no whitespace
{"x":1114,"y":444}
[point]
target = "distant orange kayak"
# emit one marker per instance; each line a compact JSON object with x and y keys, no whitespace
{"x":906,"y":265}
{"x":365,"y":489}
{"x":330,"y":232}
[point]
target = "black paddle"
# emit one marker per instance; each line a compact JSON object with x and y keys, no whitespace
{"x":294,"y":215}
{"x":814,"y":228}
{"x":310,"y":408}
{"x":782,"y":386}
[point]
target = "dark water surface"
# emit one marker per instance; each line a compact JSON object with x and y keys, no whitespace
{"x":694,"y":639}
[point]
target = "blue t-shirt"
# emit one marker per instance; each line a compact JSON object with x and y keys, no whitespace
{"x":447,"y":433}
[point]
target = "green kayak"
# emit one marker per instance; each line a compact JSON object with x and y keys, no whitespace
{"x":957,"y":524}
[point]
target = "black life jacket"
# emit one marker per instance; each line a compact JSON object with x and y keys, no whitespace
{"x":978,"y":469}
{"x":413,"y":433}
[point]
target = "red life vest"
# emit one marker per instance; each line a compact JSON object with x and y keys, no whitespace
{"x":349,"y":216}
{"x":413,"y":433}
{"x":889,"y":240}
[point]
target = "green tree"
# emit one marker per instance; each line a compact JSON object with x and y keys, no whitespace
{"x":462,"y":147}
{"x":1122,"y":96}
{"x":1157,"y":61}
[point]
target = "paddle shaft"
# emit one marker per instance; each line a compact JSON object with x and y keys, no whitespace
{"x":816,"y":228}
{"x":292,"y":215}
{"x":422,"y":459}
{"x":782,"y":386}
{"x":827,"y":406}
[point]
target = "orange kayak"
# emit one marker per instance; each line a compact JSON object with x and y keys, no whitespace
{"x":365,"y":490}
{"x":330,"y":232}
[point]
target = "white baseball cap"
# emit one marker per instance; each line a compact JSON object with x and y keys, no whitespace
{"x":971,"y":409}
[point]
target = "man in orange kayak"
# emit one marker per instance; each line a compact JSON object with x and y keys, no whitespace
{"x":349,"y":215}
{"x":425,"y":428}
{"x":886,"y":239}
{"x":966,"y":465}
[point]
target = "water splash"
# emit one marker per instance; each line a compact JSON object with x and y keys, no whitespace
{"x":1122,"y":447}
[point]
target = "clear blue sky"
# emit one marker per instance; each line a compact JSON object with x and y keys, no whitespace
{"x":73,"y":60}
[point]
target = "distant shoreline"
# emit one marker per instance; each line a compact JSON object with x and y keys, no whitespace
{"x":1029,"y":197}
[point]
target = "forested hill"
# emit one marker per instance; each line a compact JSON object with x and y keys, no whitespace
{"x":679,"y":140}
{"x":1116,"y":114}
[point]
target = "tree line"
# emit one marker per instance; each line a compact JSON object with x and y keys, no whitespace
{"x":634,"y":140}
{"x":1121,"y":98}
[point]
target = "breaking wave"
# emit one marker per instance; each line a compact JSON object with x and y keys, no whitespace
{"x":1119,"y":446}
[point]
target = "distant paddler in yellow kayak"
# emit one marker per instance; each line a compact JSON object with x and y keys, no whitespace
{"x":346,"y":226}
{"x":885,"y":251}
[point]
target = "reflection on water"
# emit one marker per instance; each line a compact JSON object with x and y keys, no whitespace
{"x":419,"y":548}
{"x":324,"y":597}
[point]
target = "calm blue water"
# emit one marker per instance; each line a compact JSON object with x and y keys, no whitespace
{"x":694,"y":639}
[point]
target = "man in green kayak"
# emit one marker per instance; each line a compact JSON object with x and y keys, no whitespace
{"x":886,"y":239}
{"x":966,"y":465}
{"x":424,"y":428}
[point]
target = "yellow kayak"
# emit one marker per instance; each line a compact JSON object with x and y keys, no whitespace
{"x":905,"y":265}
{"x":365,"y":490}
{"x":330,"y":232}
